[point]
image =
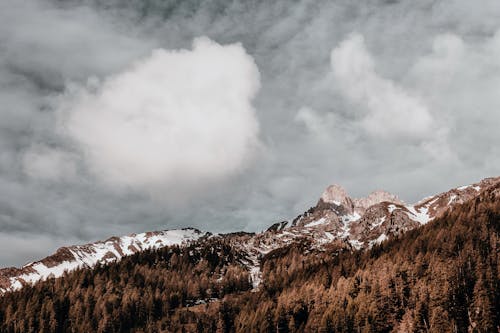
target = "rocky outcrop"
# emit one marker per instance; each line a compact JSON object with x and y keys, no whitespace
{"x":336,"y":196}
{"x":376,"y":197}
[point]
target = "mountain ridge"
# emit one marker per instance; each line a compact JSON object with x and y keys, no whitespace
{"x":354,"y":223}
{"x":441,"y":277}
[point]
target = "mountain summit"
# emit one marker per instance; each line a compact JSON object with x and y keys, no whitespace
{"x":337,"y":195}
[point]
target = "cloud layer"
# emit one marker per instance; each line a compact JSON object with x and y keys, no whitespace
{"x":389,"y":110}
{"x":96,"y":125}
{"x":172,"y":122}
{"x":47,"y":164}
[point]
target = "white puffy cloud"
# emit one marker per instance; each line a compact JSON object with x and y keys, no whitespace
{"x":45,"y":163}
{"x":177,"y":120}
{"x":389,"y":110}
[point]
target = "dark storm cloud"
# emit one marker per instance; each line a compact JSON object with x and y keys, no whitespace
{"x":320,"y":121}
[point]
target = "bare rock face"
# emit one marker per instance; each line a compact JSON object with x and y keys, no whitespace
{"x":336,"y":195}
{"x":376,"y":197}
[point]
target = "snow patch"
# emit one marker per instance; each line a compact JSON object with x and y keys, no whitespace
{"x":391,"y":208}
{"x":346,"y":224}
{"x":477,"y":188}
{"x":329,"y":236}
{"x":421,"y":216}
{"x":378,"y":222}
{"x":356,"y":244}
{"x":255,"y":275}
{"x":351,"y":217}
{"x":379,"y":240}
{"x":315,"y":223}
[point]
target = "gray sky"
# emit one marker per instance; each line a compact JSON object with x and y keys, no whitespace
{"x":230,"y":115}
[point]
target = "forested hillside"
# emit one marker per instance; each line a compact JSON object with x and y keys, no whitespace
{"x":442,"y":277}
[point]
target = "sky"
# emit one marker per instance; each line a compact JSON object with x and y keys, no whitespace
{"x":140,"y":115}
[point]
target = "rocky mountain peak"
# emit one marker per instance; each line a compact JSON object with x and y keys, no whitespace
{"x":374,"y":198}
{"x":383,"y":196}
{"x":336,"y":195}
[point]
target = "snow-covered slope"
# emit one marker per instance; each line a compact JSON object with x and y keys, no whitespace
{"x":353,"y":222}
{"x":88,"y":255}
{"x":336,"y":220}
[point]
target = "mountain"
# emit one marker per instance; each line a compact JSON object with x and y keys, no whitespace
{"x":86,"y":256}
{"x":442,"y":276}
{"x":336,"y":220}
{"x":366,"y":221}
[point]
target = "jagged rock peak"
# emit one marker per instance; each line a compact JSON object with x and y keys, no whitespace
{"x":335,"y":194}
{"x":376,"y":197}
